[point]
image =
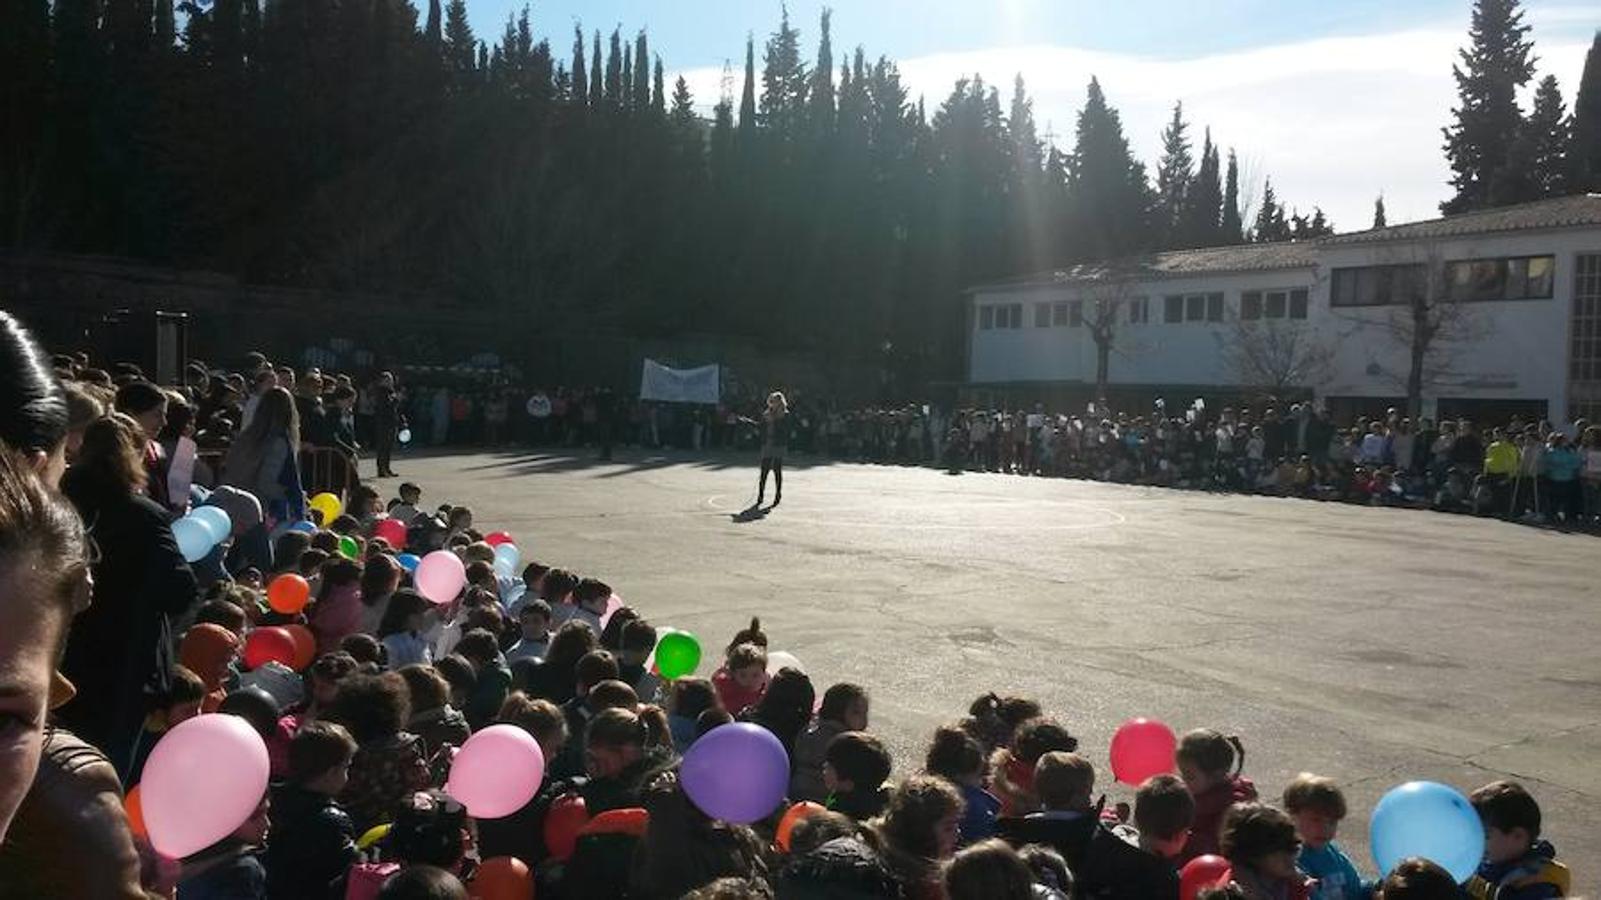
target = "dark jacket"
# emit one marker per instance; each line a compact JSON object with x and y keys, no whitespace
{"x":483,"y":704}
{"x":1068,"y":836}
{"x":1114,"y":869}
{"x":551,"y":683}
{"x":440,"y":726}
{"x":807,"y":759}
{"x":1534,"y":876}
{"x":310,"y":847}
{"x":845,"y":868}
{"x":120,"y":651}
{"x":861,"y":804}
{"x":383,"y":773}
{"x":230,"y":871}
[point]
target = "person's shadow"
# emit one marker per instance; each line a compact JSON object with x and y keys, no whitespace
{"x":750,"y":514}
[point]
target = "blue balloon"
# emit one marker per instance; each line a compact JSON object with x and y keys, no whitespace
{"x":194,"y":538}
{"x":304,"y":528}
{"x":506,"y":558}
{"x":1431,"y":820}
{"x":410,"y":561}
{"x":738,"y":773}
{"x":216,"y":520}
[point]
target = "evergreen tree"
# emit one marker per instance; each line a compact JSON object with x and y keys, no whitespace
{"x":1205,"y":202}
{"x":747,"y":96}
{"x":1271,"y":224}
{"x":1584,"y":143}
{"x":1109,"y":193}
{"x":1487,"y":120}
{"x":783,"y":80}
{"x":431,"y":31}
{"x":1547,"y":133}
{"x":616,"y":98}
{"x":1174,"y":172}
{"x":460,"y":46}
{"x":597,"y":87}
{"x":580,"y":88}
{"x":658,"y":98}
{"x":821,"y":94}
{"x":1020,"y":127}
{"x":1233,"y":230}
{"x":1378,"y":212}
{"x":625,"y":88}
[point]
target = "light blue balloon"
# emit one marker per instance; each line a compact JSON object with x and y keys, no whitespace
{"x":304,"y":528}
{"x":507,"y":556}
{"x":410,"y":561}
{"x":194,"y":538}
{"x":216,"y":520}
{"x":1431,"y":820}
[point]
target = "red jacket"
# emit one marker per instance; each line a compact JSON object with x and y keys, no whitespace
{"x":1210,"y":808}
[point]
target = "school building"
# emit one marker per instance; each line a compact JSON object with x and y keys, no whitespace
{"x":1515,"y":294}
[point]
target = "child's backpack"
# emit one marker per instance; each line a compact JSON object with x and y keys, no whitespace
{"x":366,"y":879}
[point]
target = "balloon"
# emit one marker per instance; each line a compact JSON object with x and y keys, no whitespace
{"x":677,"y":654}
{"x":348,"y":548}
{"x":440,"y":576}
{"x":781,"y":660}
{"x":737,"y":773}
{"x":272,"y":643}
{"x":216,"y":520}
{"x":204,"y":778}
{"x":194,"y":538}
{"x":305,"y":646}
{"x":328,"y":505}
{"x":288,"y":593}
{"x":786,"y":826}
{"x":1431,"y":820}
{"x":496,"y":772}
{"x":1203,"y":872}
{"x":567,"y":814}
{"x":304,"y":527}
{"x":404,"y":436}
{"x":502,"y":878}
{"x":373,"y":835}
{"x":496,"y":538}
{"x":392,"y":531}
{"x":613,"y":604}
{"x":506,"y":559}
{"x":409,"y":561}
{"x":1142,"y":748}
{"x":134,"y":806}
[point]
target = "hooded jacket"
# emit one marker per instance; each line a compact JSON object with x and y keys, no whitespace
{"x":1210,"y":807}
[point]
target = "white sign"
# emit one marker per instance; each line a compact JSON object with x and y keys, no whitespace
{"x":699,"y":385}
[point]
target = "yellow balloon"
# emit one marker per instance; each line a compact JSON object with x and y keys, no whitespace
{"x":373,"y":836}
{"x":329,"y":506}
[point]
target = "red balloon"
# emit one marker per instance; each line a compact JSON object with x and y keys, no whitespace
{"x":566,"y":816}
{"x":391,"y":530}
{"x":502,"y":878}
{"x":134,"y":806}
{"x":786,"y":826}
{"x":1142,"y":748}
{"x":1203,"y":872}
{"x":269,"y":644}
{"x":305,"y":645}
{"x":496,"y":538}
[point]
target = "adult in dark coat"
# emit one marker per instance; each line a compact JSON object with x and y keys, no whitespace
{"x":120,"y":651}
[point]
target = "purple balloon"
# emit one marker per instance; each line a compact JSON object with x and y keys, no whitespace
{"x":738,"y":773}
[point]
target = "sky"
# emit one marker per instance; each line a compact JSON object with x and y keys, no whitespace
{"x":1336,"y":102}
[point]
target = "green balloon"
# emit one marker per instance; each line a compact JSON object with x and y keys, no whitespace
{"x":347,"y":547}
{"x":677,"y":654}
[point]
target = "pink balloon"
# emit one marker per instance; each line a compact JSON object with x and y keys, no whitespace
{"x":441,"y":576}
{"x":496,"y":772}
{"x":1142,"y":748}
{"x":203,"y":780}
{"x":613,"y":604}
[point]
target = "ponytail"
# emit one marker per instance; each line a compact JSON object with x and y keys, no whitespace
{"x":751,"y":635}
{"x":1213,"y":751}
{"x":618,"y":727}
{"x":653,"y":721}
{"x":1239,"y":754}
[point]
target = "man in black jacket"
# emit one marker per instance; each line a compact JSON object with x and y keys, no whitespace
{"x":1121,"y":866}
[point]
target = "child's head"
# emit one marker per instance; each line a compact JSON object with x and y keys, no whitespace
{"x":592,"y":594}
{"x":922,"y":817}
{"x":558,"y":585}
{"x":534,"y":576}
{"x":1511,"y":820}
{"x":747,"y":665}
{"x":254,"y":705}
{"x":480,"y":647}
{"x":692,"y":696}
{"x":1317,"y":805}
{"x":288,"y":547}
{"x":712,"y":717}
{"x":310,"y":562}
{"x":855,"y":760}
{"x":1039,"y":736}
{"x":184,"y":696}
{"x":989,"y":870}
{"x":319,"y":757}
{"x":542,"y":719}
{"x":408,"y":611}
{"x":1064,"y":781}
{"x":363,"y":648}
{"x":1260,"y":838}
{"x":639,"y":638}
{"x":209,"y":651}
{"x":461,"y":518}
{"x":593,"y":668}
{"x":380,"y":578}
{"x":426,"y":688}
{"x":618,"y":738}
{"x":1164,"y":810}
{"x":226,"y":613}
{"x":410,"y":493}
{"x":1049,"y":868}
{"x":422,"y":883}
{"x":813,"y":831}
{"x":612,"y":694}
{"x":1206,"y":757}
{"x":751,"y":635}
{"x":846,"y":704}
{"x":326,"y":674}
{"x":534,"y":617}
{"x":373,"y":707}
{"x":1416,"y":878}
{"x":461,"y":676}
{"x":955,"y":756}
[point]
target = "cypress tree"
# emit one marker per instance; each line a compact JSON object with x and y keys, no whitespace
{"x":1024,"y":135}
{"x":615,"y":97}
{"x":1233,"y":229}
{"x":1548,"y":139}
{"x":1205,"y":201}
{"x":783,"y":79}
{"x":1109,"y":192}
{"x":1378,"y":212}
{"x":747,"y":96}
{"x":580,"y":89}
{"x":1584,"y":143}
{"x":1174,"y":172}
{"x":460,"y":47}
{"x":642,"y":75}
{"x":658,"y":100}
{"x":431,"y":30}
{"x":597,"y":92}
{"x":626,"y":85}
{"x":821,"y":95}
{"x":1487,"y":120}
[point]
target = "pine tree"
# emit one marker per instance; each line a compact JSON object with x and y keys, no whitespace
{"x":683,"y":112}
{"x":821,"y":94}
{"x":1233,"y":230}
{"x":783,"y":80}
{"x":1378,"y":212}
{"x":1584,"y":143}
{"x":625,"y":87}
{"x":1024,"y":134}
{"x":1205,"y":201}
{"x":1110,"y":195}
{"x":1547,"y":132}
{"x":580,"y":89}
{"x":460,"y":47}
{"x":1271,"y":224}
{"x":1478,"y":144}
{"x":1174,"y":172}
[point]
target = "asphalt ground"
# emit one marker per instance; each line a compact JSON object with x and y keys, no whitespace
{"x":1375,"y":646}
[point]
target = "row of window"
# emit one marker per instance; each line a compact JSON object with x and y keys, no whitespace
{"x":1176,"y":308}
{"x":1464,"y":280}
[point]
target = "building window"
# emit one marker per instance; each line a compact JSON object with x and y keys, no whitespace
{"x":1377,"y":285}
{"x":1139,"y":311}
{"x":1214,"y":307}
{"x":1172,"y":309}
{"x":1014,"y":316}
{"x":1511,"y":278}
{"x":1194,"y":307}
{"x":986,"y":317}
{"x":1298,"y":300}
{"x":1042,"y":315}
{"x":1075,"y":314}
{"x":1275,"y":304}
{"x":1251,"y":305}
{"x":1584,"y":356}
{"x":1059,"y":314}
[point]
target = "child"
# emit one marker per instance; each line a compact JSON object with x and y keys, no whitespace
{"x":459,"y":522}
{"x":958,"y":757}
{"x":338,"y":609}
{"x":556,"y":588}
{"x":1415,"y":878}
{"x":743,"y":678}
{"x":844,"y":708}
{"x":182,"y":702}
{"x":686,"y":701}
{"x":1117,"y":868}
{"x":1517,"y":864}
{"x":209,"y":651}
{"x":533,"y":587}
{"x":312,"y":841}
{"x":1205,"y":758}
{"x":404,"y":507}
{"x":1260,"y":845}
{"x":854,"y":770}
{"x":402,"y":631}
{"x":1013,"y":767}
{"x":480,"y":648}
{"x":1317,"y":805}
{"x":534,"y":617}
{"x":591,"y":596}
{"x":433,"y":718}
{"x":231,"y":867}
{"x":638,"y":640}
{"x":1065,"y":784}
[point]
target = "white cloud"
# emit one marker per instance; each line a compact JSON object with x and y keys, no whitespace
{"x":1332,"y":120}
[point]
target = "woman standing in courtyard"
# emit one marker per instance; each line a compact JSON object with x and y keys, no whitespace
{"x":776,"y":430}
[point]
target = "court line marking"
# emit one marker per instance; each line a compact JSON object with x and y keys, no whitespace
{"x":1112,"y":518}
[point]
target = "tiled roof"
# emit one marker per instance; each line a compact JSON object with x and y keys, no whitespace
{"x":1574,"y":211}
{"x":1175,"y":264}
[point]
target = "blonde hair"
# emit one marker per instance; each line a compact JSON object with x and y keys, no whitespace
{"x":1314,"y":793}
{"x":782,"y":402}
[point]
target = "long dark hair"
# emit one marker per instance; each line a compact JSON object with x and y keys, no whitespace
{"x":110,"y":462}
{"x":404,"y":604}
{"x":33,"y":406}
{"x":275,"y":418}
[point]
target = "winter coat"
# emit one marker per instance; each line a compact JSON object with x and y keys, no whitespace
{"x":229,"y":871}
{"x":310,"y":847}
{"x":1210,"y":807}
{"x":383,"y":773}
{"x":1112,"y":868}
{"x":439,"y":726}
{"x":846,"y":868}
{"x":807,"y":760}
{"x":1068,"y":834}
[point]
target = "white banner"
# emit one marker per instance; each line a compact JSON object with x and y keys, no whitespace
{"x":659,"y":382}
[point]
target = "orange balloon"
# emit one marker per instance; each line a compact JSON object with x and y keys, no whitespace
{"x":502,"y":878}
{"x":305,"y":646}
{"x":136,"y":812}
{"x":566,"y":815}
{"x":288,"y":593}
{"x":786,"y":826}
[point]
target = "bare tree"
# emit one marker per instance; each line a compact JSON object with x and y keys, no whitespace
{"x":1103,"y":302}
{"x":1275,"y":355}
